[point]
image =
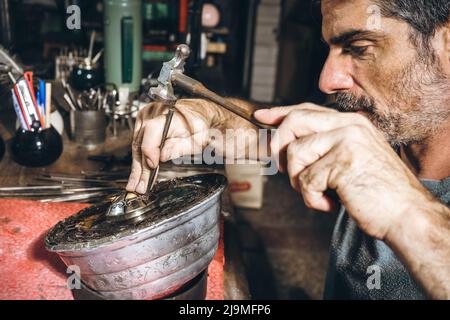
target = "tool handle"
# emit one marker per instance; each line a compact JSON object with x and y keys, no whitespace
{"x":196,"y":88}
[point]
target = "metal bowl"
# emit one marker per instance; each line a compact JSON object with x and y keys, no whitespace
{"x":153,"y":255}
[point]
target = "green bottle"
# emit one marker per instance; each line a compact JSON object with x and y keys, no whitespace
{"x":123,"y":43}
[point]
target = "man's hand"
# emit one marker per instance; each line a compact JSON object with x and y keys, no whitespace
{"x":188,"y":131}
{"x":193,"y":127}
{"x":324,"y":149}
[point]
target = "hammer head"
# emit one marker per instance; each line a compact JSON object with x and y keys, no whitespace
{"x":164,"y":90}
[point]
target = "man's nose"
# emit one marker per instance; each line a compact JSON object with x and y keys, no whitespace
{"x":336,"y":74}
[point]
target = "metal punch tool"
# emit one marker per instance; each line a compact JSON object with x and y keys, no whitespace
{"x":130,"y":205}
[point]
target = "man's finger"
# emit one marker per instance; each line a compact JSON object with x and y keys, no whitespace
{"x":300,"y":123}
{"x":151,"y":140}
{"x":136,"y":167}
{"x":136,"y":152}
{"x":315,"y":180}
{"x":307,"y":150}
{"x":318,"y":201}
{"x":145,"y":175}
{"x":276,"y":115}
{"x":289,"y":130}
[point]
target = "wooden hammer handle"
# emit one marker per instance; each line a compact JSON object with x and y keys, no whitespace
{"x":196,"y":88}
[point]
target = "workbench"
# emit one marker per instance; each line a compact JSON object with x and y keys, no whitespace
{"x":74,"y":159}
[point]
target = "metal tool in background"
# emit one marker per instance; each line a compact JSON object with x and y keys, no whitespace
{"x":87,"y":114}
{"x":101,"y":99}
{"x":97,"y":98}
{"x":111,"y":102}
{"x":87,"y":187}
{"x":66,"y":61}
{"x":8,"y":64}
{"x":94,"y":187}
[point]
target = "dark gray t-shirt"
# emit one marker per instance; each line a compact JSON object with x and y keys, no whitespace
{"x":353,"y":253}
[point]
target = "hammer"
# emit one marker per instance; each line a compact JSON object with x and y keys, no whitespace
{"x":172,"y":75}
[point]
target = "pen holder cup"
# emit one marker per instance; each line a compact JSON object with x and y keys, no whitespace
{"x":36,"y":148}
{"x":88,"y":128}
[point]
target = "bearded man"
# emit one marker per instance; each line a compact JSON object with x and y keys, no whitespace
{"x":385,"y":151}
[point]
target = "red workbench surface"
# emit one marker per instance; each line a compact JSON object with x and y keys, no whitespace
{"x":29,"y":271}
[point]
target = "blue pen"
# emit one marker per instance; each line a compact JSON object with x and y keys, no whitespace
{"x":42,"y":97}
{"x":42,"y":92}
{"x":40,"y":105}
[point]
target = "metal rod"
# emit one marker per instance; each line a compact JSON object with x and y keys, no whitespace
{"x":75,"y":197}
{"x":69,"y":102}
{"x":97,"y":56}
{"x":154,"y":173}
{"x":30,"y":188}
{"x":81,"y":180}
{"x":91,"y":47}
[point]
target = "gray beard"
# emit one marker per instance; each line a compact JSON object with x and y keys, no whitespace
{"x":419,"y":108}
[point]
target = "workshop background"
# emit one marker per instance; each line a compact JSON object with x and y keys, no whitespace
{"x":89,"y":81}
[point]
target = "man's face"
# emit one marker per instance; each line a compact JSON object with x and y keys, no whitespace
{"x":374,"y":68}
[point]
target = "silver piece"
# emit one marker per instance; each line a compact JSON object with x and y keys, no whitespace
{"x":155,"y":261}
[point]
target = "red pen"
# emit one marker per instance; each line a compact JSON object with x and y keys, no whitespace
{"x":19,"y":101}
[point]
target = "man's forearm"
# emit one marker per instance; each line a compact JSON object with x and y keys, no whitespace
{"x":422,"y":241}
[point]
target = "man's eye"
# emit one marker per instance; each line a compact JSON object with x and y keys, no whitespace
{"x":356,"y":50}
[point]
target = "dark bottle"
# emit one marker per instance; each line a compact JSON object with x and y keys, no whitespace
{"x":36,"y":148}
{"x":85,"y":77}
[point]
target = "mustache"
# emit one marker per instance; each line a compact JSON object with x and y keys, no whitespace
{"x":347,"y":102}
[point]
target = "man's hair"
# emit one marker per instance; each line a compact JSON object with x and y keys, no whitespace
{"x":423,"y":16}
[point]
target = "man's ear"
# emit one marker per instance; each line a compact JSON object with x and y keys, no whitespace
{"x":441,"y":45}
{"x":447,"y":39}
{"x":446,"y":48}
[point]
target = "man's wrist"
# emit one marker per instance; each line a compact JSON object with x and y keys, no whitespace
{"x":413,"y":218}
{"x":420,"y":240}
